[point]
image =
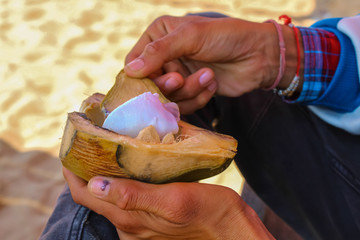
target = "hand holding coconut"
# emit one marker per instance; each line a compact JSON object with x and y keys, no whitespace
{"x":191,"y":57}
{"x":168,"y":211}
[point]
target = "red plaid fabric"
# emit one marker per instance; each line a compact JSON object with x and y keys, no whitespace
{"x":321,"y":57}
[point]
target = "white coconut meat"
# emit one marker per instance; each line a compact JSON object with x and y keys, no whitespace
{"x":142,"y":111}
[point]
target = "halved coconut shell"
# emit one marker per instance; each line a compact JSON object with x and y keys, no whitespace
{"x":89,"y":150}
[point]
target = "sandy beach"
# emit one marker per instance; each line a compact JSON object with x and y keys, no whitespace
{"x":53,"y":54}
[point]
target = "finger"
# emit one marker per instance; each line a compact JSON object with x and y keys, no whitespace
{"x":127,"y":222}
{"x":72,"y":179}
{"x":176,"y":66}
{"x":163,"y":50}
{"x":191,"y":105}
{"x":81,"y":195}
{"x":156,"y":74}
{"x":79,"y":192}
{"x":170,"y":202}
{"x":170,"y":82}
{"x":159,"y":28}
{"x":155,"y":31}
{"x":194,"y":85}
{"x":125,"y":193}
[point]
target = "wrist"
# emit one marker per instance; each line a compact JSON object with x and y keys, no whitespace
{"x":271,"y":55}
{"x":240,"y":221}
{"x":290,"y":58}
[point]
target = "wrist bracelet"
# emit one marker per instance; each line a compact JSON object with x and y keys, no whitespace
{"x":282,"y":55}
{"x":291,"y":89}
{"x":288,"y":92}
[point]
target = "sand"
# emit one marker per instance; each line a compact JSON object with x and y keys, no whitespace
{"x":55,"y":53}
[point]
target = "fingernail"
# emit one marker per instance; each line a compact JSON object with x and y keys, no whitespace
{"x":171,"y":84}
{"x":205,"y":78}
{"x":99,"y":186}
{"x":212,"y":87}
{"x":136,"y":64}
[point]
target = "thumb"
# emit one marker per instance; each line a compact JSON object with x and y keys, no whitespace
{"x":156,"y":53}
{"x":127,"y":194}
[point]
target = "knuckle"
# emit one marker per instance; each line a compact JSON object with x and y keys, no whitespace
{"x":152,"y":48}
{"x":128,"y":198}
{"x":160,"y":22}
{"x":164,"y":19}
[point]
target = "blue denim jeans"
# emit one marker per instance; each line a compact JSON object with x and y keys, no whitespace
{"x":305,"y":170}
{"x":71,"y":221}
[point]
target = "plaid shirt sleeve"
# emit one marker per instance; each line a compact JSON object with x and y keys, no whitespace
{"x":321,"y":57}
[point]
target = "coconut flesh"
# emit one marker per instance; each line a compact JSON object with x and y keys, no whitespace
{"x":145,"y":111}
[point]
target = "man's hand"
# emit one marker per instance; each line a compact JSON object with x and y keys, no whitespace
{"x":190,"y":58}
{"x":168,"y":211}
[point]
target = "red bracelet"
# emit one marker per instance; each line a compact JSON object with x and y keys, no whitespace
{"x":288,"y":92}
{"x":287,"y":21}
{"x":282,"y":55}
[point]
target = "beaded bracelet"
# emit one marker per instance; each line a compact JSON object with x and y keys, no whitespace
{"x":282,"y":55}
{"x":288,"y":92}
